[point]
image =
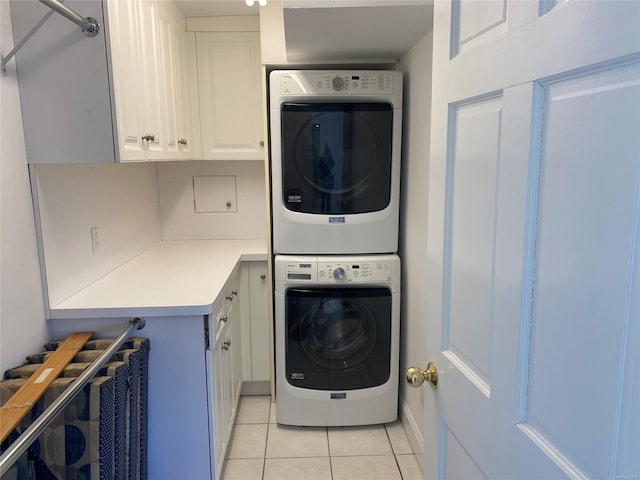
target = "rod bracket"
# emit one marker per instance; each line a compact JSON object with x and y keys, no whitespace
{"x":93,"y":29}
{"x":138,"y":320}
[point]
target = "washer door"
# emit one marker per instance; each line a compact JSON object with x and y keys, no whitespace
{"x":338,"y":338}
{"x":336,"y":158}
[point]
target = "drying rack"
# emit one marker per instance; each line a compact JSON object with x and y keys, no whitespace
{"x":22,"y":443}
{"x":90,"y":26}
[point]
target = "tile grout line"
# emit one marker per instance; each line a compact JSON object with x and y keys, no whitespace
{"x":329,"y":453}
{"x":266,"y":442}
{"x":393,"y":452}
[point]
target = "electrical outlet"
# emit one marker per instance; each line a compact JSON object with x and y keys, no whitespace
{"x":95,"y":240}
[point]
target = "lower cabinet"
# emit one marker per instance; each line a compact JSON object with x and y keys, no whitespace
{"x":222,"y":397}
{"x":259,"y":351}
{"x":178,"y":410}
{"x":196,"y":370}
{"x":224,"y":368}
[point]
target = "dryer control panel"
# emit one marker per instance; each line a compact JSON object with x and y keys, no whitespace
{"x":333,"y":83}
{"x":338,"y":271}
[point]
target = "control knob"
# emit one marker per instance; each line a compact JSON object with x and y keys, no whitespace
{"x":337,"y":83}
{"x":339,"y":273}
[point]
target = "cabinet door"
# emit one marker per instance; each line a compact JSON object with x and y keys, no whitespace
{"x":178,"y":73}
{"x":186,"y":85}
{"x":128,"y":87}
{"x":138,"y":83}
{"x":151,"y":73}
{"x":259,"y":317}
{"x":230,"y":95}
{"x":216,"y":359}
{"x":168,"y":56}
{"x":235,"y":357}
{"x":224,"y":367}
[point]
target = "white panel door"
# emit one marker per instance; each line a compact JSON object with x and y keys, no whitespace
{"x":124,"y":25}
{"x":186,"y":87}
{"x":154,"y":89}
{"x":168,"y":63}
{"x":533,"y":255}
{"x":230,"y":95}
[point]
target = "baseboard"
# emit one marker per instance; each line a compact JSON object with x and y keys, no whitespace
{"x":413,"y":431}
{"x":256,"y":388}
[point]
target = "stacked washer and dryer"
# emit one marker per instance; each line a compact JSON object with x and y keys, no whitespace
{"x":335,"y":147}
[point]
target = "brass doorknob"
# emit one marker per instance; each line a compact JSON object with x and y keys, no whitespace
{"x":416,"y":376}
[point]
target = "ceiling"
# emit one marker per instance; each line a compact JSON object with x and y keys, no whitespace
{"x":214,"y":8}
{"x":336,"y":29}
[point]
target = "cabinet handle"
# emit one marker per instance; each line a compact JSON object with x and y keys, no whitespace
{"x":262,"y":143}
{"x":226,"y":344}
{"x":182,"y":141}
{"x":262,"y":276}
{"x":223,"y":318}
{"x":230,"y":297}
{"x":148,"y":137}
{"x":235,"y":292}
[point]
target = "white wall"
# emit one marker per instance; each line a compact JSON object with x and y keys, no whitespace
{"x":121,"y":200}
{"x":22,"y":324}
{"x":134,"y":206}
{"x":246,"y":219}
{"x":416,"y":66}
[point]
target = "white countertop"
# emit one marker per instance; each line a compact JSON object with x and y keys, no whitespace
{"x":173,"y":278}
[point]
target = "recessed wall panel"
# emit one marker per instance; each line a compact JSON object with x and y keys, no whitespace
{"x":473,"y":162}
{"x":586,"y":234}
{"x":477,"y":17}
{"x":458,"y":463}
{"x":477,"y":21}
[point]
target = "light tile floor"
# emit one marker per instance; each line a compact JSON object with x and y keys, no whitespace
{"x":260,"y":449}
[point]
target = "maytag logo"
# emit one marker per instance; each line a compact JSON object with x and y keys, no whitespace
{"x":339,"y":396}
{"x":336,"y":219}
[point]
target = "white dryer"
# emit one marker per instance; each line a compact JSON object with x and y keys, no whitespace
{"x":337,"y":339}
{"x":335,"y":149}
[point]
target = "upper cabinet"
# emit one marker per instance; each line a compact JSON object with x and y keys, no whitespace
{"x":123,"y":95}
{"x":151,"y":59}
{"x":230,"y":95}
{"x":177,"y":54}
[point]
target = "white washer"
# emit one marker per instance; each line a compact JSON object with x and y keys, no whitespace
{"x":337,"y":339}
{"x":335,"y":149}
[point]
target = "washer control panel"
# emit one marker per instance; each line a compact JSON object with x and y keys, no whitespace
{"x":338,"y":272}
{"x":333,"y":83}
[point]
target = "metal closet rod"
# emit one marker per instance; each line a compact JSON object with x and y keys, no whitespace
{"x":22,"y":443}
{"x":90,"y":26}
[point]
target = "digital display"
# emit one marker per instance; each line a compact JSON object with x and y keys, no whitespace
{"x":355,"y":77}
{"x":298,"y":276}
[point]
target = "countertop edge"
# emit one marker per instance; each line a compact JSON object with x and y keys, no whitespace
{"x":97,"y":300}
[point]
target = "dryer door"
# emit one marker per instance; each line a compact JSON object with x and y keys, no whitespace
{"x":338,"y":338}
{"x":336,"y":157}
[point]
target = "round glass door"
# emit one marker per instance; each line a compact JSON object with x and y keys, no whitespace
{"x":336,"y":153}
{"x":338,"y":338}
{"x":338,"y":334}
{"x":336,"y":157}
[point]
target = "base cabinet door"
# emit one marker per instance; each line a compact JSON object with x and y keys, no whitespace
{"x":224,"y":370}
{"x":216,"y":409}
{"x":259,"y":322}
{"x":222,"y":397}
